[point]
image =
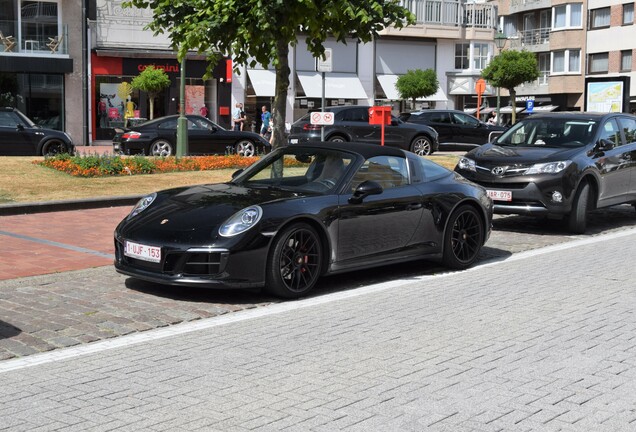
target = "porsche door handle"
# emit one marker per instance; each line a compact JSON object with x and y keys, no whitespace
{"x":415,"y":206}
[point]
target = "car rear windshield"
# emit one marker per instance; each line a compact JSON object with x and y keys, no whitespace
{"x":550,"y":132}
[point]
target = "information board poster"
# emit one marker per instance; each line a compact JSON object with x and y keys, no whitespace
{"x":607,"y":94}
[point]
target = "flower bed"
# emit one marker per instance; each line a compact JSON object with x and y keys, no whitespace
{"x":109,"y":165}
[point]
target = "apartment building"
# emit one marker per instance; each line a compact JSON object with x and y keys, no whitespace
{"x":63,"y":63}
{"x":42,"y":62}
{"x":572,"y":41}
{"x":452,"y":37}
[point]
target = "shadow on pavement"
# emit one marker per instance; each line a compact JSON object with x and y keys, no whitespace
{"x":7,"y":330}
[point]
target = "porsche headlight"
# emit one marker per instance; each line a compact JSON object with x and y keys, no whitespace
{"x":241,"y":221}
{"x":142,"y":205}
{"x":548,"y":168}
{"x":466,"y":164}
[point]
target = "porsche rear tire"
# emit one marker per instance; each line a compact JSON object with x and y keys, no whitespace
{"x":295,"y":261}
{"x":463,"y":238}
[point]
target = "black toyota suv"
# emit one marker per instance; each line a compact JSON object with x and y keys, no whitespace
{"x":457,"y":130}
{"x":19,"y":136}
{"x":558,"y":164}
{"x":351,"y":123}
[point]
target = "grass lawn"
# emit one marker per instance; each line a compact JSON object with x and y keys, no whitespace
{"x":22,"y":181}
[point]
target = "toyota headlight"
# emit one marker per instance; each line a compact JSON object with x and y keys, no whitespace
{"x":466,"y":164}
{"x":241,"y":221}
{"x":142,"y":205}
{"x":548,"y":168}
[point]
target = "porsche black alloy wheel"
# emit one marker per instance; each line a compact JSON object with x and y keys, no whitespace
{"x":294,"y":263}
{"x":463,"y":238}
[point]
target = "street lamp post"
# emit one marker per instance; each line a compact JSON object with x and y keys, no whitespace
{"x":182,"y":122}
{"x":500,"y":42}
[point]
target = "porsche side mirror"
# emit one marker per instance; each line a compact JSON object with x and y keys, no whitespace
{"x":365,"y":189}
{"x":19,"y":127}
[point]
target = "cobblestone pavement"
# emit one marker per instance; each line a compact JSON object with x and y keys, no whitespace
{"x":542,"y":341}
{"x":68,"y":308}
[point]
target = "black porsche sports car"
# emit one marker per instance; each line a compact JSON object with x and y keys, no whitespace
{"x":301,"y":212}
{"x":158,"y":137}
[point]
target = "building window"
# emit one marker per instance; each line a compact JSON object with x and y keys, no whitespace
{"x":599,"y":18}
{"x":628,"y":13}
{"x":626,"y":61}
{"x":480,"y":55}
{"x":461,"y":56}
{"x":566,"y":16}
{"x":566,"y":62}
{"x":598,"y":63}
{"x":544,"y":67}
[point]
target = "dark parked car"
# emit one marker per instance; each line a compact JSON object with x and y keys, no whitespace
{"x":457,"y":130}
{"x":351,"y":123}
{"x":19,"y":136}
{"x":158,"y":137}
{"x":561,"y":164}
{"x":301,"y":212}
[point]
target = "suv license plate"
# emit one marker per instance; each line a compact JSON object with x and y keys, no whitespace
{"x":142,"y":252}
{"x":497,"y":195}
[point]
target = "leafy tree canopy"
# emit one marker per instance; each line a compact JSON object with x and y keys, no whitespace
{"x":417,"y":83}
{"x":152,"y":81}
{"x":254,"y":31}
{"x":510,"y":69}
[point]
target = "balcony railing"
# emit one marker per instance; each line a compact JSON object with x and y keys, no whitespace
{"x":535,"y":36}
{"x":454,"y":13}
{"x":14,"y":42}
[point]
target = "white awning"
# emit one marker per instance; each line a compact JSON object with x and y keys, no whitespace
{"x":508,"y":110}
{"x":263,"y":81}
{"x":337,"y":85}
{"x":542,"y":108}
{"x":387,"y":82}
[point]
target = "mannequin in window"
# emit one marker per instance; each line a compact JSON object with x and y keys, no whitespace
{"x":130,"y":111}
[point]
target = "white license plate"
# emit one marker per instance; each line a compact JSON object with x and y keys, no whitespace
{"x":293,"y":141}
{"x":497,"y":195}
{"x":142,"y":252}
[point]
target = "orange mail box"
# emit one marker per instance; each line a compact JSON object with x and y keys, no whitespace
{"x":380,"y":115}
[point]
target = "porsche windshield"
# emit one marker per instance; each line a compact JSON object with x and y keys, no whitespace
{"x":549,"y":132}
{"x":302,"y":170}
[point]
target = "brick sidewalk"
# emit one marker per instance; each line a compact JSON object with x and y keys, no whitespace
{"x":36,"y":244}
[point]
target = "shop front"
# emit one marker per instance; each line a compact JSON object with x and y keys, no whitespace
{"x":117,"y":105}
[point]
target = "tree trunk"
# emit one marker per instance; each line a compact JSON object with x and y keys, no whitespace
{"x":279,"y":108}
{"x":151,"y":103}
{"x":514,"y":105}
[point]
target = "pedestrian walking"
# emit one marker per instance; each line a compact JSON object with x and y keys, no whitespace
{"x":266,"y":116}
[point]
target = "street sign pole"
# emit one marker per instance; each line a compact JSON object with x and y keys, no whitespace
{"x":322,"y":108}
{"x":323,"y":65}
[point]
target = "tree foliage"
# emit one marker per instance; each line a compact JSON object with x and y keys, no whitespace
{"x":152,"y":81}
{"x":417,"y":83}
{"x":257,"y":32}
{"x":510,"y":69}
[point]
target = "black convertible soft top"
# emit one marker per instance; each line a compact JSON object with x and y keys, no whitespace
{"x":365,"y":150}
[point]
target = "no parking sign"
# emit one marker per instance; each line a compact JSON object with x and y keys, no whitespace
{"x":321,"y":118}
